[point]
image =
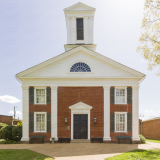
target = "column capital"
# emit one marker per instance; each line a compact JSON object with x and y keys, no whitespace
{"x":73,"y":18}
{"x":85,"y":17}
{"x":54,"y":87}
{"x":106,"y":87}
{"x":135,"y":87}
{"x":67,"y":18}
{"x":25,"y":87}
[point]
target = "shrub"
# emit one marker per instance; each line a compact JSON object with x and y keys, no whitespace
{"x":17,"y":133}
{"x":142,"y":138}
{"x":8,"y":142}
{"x":6,"y":132}
{"x":19,"y":123}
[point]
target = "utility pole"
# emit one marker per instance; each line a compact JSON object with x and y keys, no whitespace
{"x":14,"y":112}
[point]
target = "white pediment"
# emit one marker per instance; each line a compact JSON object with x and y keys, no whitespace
{"x":59,"y":67}
{"x":80,"y":106}
{"x":79,"y":7}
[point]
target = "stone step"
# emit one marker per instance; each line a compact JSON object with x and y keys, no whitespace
{"x":80,"y":141}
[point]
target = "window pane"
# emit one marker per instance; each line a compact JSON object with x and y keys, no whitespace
{"x":40,"y":122}
{"x":79,"y":23}
{"x":40,"y":95}
{"x":79,"y":34}
{"x":120,"y":95}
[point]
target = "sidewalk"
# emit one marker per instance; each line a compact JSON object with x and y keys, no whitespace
{"x":78,"y":151}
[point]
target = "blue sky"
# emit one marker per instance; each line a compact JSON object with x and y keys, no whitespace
{"x":33,"y":31}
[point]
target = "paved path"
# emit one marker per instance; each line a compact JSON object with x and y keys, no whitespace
{"x":81,"y":151}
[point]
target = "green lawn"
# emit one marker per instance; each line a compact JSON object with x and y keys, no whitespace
{"x":21,"y":154}
{"x":153,"y":140}
{"x":138,"y":154}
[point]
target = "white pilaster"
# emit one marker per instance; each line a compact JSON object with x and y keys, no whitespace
{"x":68,"y":30}
{"x":86,"y":29}
{"x":73,"y":30}
{"x":135,"y":113}
{"x":106,"y":113}
{"x":54,"y":112}
{"x":25,"y":113}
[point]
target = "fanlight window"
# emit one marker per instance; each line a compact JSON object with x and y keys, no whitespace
{"x":80,"y":67}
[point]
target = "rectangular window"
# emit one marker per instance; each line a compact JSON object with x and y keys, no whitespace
{"x":40,"y":96}
{"x":120,"y":122}
{"x":40,"y":122}
{"x":80,"y":35}
{"x":120,"y":96}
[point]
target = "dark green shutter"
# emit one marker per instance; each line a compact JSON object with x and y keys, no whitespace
{"x":31,"y":122}
{"x":48,"y":122}
{"x":129,"y":120}
{"x":31,"y":93}
{"x":112,"y":95}
{"x":48,"y":95}
{"x":112,"y":122}
{"x":129,"y":90}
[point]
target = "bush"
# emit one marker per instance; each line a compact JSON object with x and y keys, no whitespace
{"x":2,"y":125}
{"x":142,"y":138}
{"x":6,"y":132}
{"x":17,"y":133}
{"x":8,"y":142}
{"x":11,"y":133}
{"x":19,"y":123}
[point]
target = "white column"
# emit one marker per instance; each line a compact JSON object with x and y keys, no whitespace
{"x":135,"y":113}
{"x":25,"y":113}
{"x":54,"y":112}
{"x":86,"y":30}
{"x":106,"y":113}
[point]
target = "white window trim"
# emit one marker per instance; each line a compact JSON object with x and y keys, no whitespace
{"x":125,"y":130}
{"x":35,"y":96}
{"x":35,"y":113}
{"x":125,"y":94}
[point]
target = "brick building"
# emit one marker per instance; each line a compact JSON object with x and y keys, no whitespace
{"x":151,"y":128}
{"x":6,"y":119}
{"x":80,"y":94}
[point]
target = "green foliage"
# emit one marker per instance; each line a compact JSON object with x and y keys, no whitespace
{"x":11,"y":132}
{"x":142,"y":138}
{"x":17,"y":133}
{"x":6,"y":132}
{"x":138,"y":154}
{"x":21,"y":154}
{"x":19,"y":123}
{"x":8,"y":142}
{"x":149,"y":46}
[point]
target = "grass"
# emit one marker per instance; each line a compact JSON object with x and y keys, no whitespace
{"x":138,"y":154}
{"x":21,"y":154}
{"x":153,"y":140}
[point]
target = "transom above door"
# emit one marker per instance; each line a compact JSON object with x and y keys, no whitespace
{"x":80,"y":126}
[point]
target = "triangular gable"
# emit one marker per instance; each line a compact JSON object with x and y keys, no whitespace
{"x":79,"y":7}
{"x":87,"y":51}
{"x":80,"y":106}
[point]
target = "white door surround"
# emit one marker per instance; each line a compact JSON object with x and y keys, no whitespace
{"x":80,"y":108}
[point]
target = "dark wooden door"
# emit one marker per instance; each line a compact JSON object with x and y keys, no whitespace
{"x":80,"y":126}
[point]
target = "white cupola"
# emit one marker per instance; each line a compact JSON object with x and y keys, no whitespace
{"x":79,"y":21}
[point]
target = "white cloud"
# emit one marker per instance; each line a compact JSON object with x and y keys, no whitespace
{"x":9,"y":99}
{"x":17,"y":112}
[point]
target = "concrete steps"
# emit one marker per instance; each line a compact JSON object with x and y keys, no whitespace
{"x":80,"y":141}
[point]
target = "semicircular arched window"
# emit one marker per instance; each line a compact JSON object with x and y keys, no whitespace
{"x":80,"y":67}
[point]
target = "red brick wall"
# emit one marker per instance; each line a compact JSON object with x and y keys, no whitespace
{"x":40,"y":108}
{"x":151,"y":129}
{"x":92,"y":96}
{"x":6,"y":119}
{"x":120,"y":108}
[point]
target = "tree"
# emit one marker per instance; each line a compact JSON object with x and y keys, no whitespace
{"x":149,"y":46}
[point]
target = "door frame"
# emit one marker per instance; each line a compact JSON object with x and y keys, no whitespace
{"x":87,"y":123}
{"x":80,"y":108}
